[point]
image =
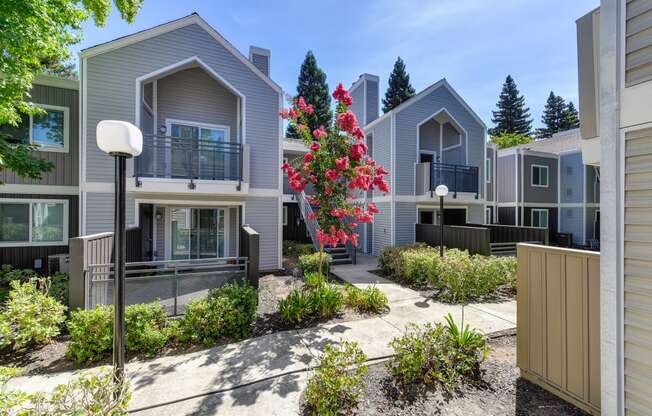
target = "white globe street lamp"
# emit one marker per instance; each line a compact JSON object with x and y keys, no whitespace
{"x":122,"y":140}
{"x":441,"y":191}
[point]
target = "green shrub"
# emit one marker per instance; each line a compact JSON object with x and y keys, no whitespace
{"x":91,"y":333}
{"x":93,"y":393}
{"x":59,"y":288}
{"x":8,"y":274}
{"x":30,"y":316}
{"x":392,"y":262}
{"x":295,"y":249}
{"x":147,"y":330}
{"x":371,"y":299}
{"x":227,"y":312}
{"x":497,"y":270}
{"x":325,"y":301}
{"x":296,"y":307}
{"x":430,"y":353}
{"x":338,"y":381}
{"x":309,"y":263}
{"x":456,"y":278}
{"x":420,"y":265}
{"x":314,"y":279}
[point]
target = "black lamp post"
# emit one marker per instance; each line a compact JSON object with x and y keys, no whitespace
{"x":441,"y":191}
{"x":121,"y":140}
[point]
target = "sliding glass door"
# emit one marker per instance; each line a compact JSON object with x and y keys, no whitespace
{"x":197,"y":233}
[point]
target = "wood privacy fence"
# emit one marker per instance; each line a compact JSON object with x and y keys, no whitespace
{"x":558,"y":321}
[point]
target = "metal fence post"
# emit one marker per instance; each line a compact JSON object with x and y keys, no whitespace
{"x":176,"y":289}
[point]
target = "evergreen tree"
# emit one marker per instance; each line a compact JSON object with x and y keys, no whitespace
{"x":571,"y":117}
{"x":512,"y":116}
{"x":399,"y":88}
{"x":553,"y":116}
{"x":313,"y":88}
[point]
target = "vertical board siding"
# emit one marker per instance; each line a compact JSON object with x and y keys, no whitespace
{"x":637,"y":271}
{"x":262,"y":214}
{"x":406,"y":135}
{"x":24,"y":257}
{"x":373,"y":100}
{"x":638,"y":42}
{"x":358,"y":102}
{"x":193,"y":95}
{"x":66,"y":165}
{"x":558,"y":317}
{"x":110,"y":80}
{"x":506,"y":178}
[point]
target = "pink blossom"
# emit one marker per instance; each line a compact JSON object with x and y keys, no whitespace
{"x":339,"y":212}
{"x":332,"y":175}
{"x":372,"y":208}
{"x":293,"y":114}
{"x":285,"y":113}
{"x":285,"y":166}
{"x":356,"y":152}
{"x":347,"y":121}
{"x":315,"y":147}
{"x":382,"y":185}
{"x":312,"y":216}
{"x":319,"y":133}
{"x":358,"y":133}
{"x":309,"y":109}
{"x":380,"y":170}
{"x":328,"y":190}
{"x":308,"y":157}
{"x":342,"y":163}
{"x":323,"y":238}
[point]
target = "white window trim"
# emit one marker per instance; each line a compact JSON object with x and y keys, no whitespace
{"x":539,"y":211}
{"x":532,"y":176}
{"x":487,"y":215}
{"x":487,"y":170}
{"x":285,"y":215}
{"x":30,"y":243}
{"x":66,"y":129}
{"x":170,"y":121}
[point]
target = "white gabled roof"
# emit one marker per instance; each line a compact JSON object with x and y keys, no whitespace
{"x":191,"y":19}
{"x":441,"y":83}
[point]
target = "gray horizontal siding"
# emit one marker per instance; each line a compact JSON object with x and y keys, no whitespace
{"x":382,"y":146}
{"x":382,"y":228}
{"x":405,"y":218}
{"x":571,"y":220}
{"x":262,"y":214}
{"x":406,"y":135}
{"x":373,"y":101}
{"x":98,"y":214}
{"x":110,"y":80}
{"x":66,"y":165}
{"x":261,"y":62}
{"x":192,"y":95}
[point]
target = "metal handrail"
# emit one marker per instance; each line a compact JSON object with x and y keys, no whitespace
{"x":458,"y":178}
{"x":307,"y":212}
{"x":189,"y":158}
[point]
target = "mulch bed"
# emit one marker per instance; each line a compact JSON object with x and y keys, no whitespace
{"x":499,"y":392}
{"x":51,"y":358}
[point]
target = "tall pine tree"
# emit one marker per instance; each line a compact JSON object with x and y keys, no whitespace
{"x":512,"y":116}
{"x":571,"y":117}
{"x":553,"y":116}
{"x":399,"y":88}
{"x":313,"y":88}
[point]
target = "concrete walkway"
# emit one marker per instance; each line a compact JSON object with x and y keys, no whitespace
{"x":266,"y":375}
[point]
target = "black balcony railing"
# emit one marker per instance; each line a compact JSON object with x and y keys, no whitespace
{"x":458,"y":178}
{"x":189,"y":158}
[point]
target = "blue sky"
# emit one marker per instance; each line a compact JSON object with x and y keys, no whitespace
{"x":474,"y":44}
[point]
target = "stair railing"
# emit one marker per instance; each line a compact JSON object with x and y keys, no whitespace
{"x":307,"y":213}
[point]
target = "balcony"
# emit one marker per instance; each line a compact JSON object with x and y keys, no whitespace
{"x":458,"y":178}
{"x":181,"y":164}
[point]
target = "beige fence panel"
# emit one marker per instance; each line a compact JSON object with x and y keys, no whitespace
{"x":558,"y":321}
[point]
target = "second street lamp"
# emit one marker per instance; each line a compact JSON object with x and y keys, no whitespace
{"x":441,"y":191}
{"x":122,"y":140}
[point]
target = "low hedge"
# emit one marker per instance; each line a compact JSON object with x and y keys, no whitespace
{"x":459,"y":277}
{"x":309,"y":263}
{"x":296,"y":249}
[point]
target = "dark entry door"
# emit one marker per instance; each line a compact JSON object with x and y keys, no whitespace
{"x":454,"y":216}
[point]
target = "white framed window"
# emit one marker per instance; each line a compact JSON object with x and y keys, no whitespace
{"x":539,"y":176}
{"x":49,"y":131}
{"x":192,"y":130}
{"x":285,"y":215}
{"x":487,"y":170}
{"x":25,"y":222}
{"x":539,"y":218}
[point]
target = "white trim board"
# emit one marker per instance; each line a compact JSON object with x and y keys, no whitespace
{"x":38,"y":189}
{"x":174,"y":25}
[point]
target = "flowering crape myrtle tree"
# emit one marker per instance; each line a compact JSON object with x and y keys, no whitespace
{"x":337,"y":165}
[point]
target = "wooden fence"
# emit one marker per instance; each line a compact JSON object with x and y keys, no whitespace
{"x":558,"y":320}
{"x":474,"y":239}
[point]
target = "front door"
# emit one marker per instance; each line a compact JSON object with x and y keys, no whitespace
{"x":197,"y":233}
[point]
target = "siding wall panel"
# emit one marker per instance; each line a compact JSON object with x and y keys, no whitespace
{"x":638,"y":42}
{"x":262,"y":214}
{"x":637,"y":275}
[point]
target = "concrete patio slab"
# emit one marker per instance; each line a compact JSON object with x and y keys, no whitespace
{"x":419,"y":311}
{"x":373,"y":336}
{"x":505,"y":310}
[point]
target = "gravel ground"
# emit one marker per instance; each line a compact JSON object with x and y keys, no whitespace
{"x":500,"y":392}
{"x":52,"y":357}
